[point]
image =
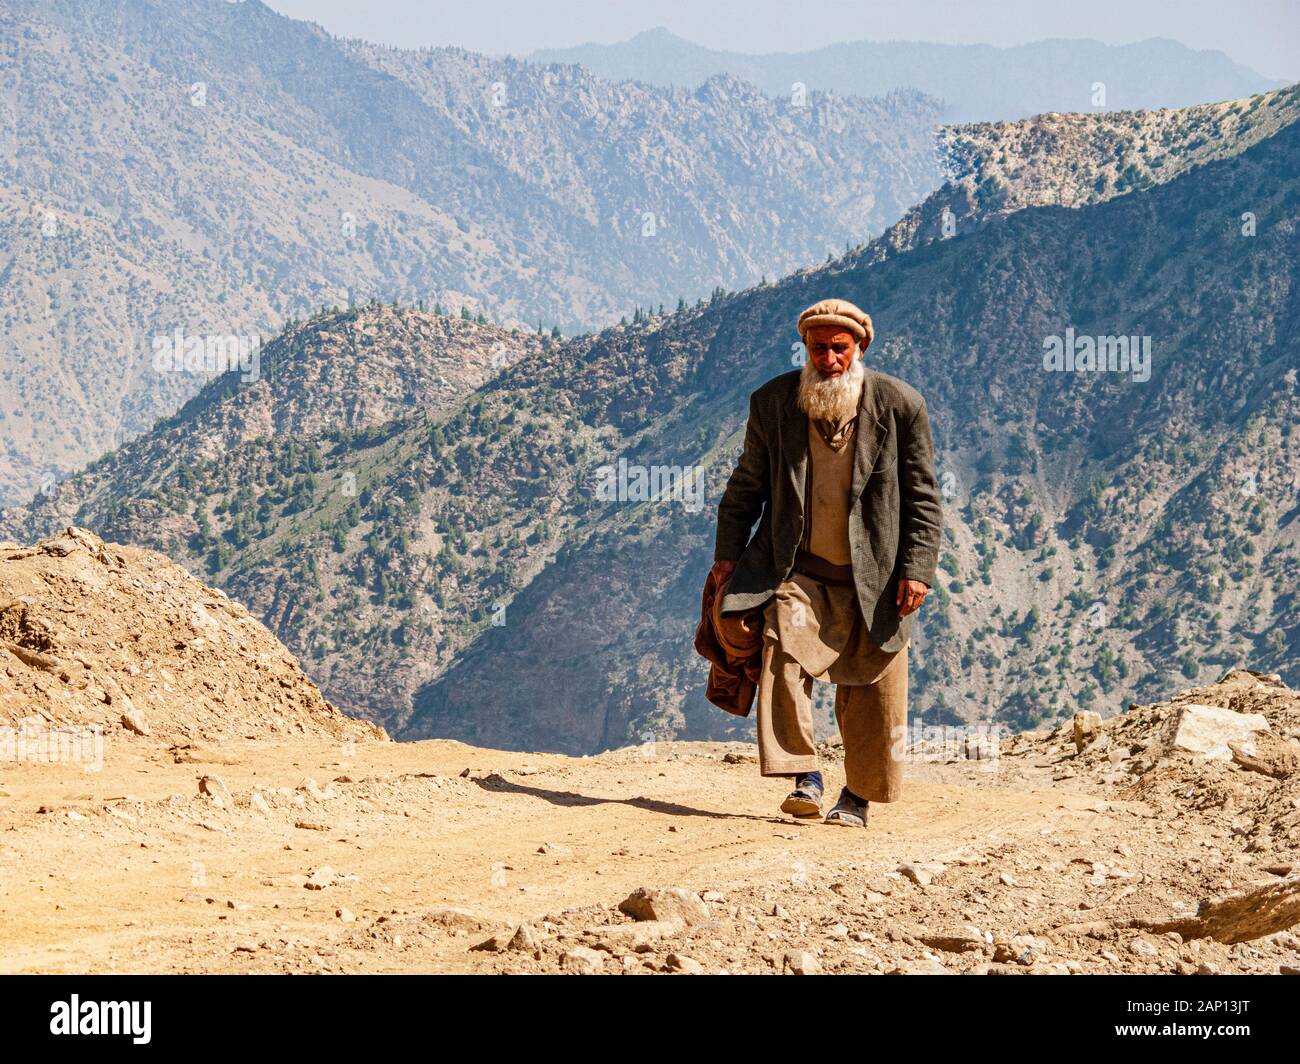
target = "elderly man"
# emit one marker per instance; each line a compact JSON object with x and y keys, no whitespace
{"x":838,"y":472}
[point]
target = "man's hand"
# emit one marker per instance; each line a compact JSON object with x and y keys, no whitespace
{"x":911,"y":593}
{"x":722,"y":570}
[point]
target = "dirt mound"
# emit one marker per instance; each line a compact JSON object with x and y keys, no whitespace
{"x":1225,"y":755}
{"x":96,"y":635}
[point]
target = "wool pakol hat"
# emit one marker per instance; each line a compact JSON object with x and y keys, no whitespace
{"x":837,"y":312}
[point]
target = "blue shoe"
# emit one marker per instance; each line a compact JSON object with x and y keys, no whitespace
{"x":850,"y":811}
{"x":806,"y":798}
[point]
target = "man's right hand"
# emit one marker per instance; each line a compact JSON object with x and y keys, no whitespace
{"x":721,"y":571}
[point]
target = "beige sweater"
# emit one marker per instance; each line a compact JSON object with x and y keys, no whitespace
{"x":830,"y":476}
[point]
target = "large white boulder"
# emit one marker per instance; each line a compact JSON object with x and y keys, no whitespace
{"x":1205,"y":730}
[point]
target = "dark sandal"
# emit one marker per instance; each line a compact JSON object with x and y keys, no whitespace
{"x":848,"y":813}
{"x":804,"y":800}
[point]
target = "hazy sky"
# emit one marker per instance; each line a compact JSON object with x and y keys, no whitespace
{"x":1263,"y":34}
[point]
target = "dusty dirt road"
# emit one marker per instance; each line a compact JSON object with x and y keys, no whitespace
{"x":434,"y":846}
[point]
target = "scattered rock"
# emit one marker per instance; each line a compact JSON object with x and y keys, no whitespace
{"x":134,"y":721}
{"x":963,"y":940}
{"x":323,"y":877}
{"x":665,"y":903}
{"x":1240,"y":917}
{"x":1143,"y":948}
{"x":616,"y":937}
{"x":922,"y":873}
{"x":1267,"y":754}
{"x":924,"y":966}
{"x":1087,"y":725}
{"x":800,"y":962}
{"x":215,"y":788}
{"x":583,"y":961}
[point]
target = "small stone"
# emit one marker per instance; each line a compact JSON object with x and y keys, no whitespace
{"x":583,"y":961}
{"x":665,"y":903}
{"x":323,"y":877}
{"x":922,"y":873}
{"x":685,"y":965}
{"x":615,"y":938}
{"x":800,"y":962}
{"x":135,"y":721}
{"x":962,"y":940}
{"x":215,"y":788}
{"x":1086,"y":726}
{"x":312,"y":789}
{"x":923,"y":966}
{"x":1143,"y":948}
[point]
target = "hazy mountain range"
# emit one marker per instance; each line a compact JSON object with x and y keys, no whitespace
{"x":443,"y":518}
{"x":977,"y":82}
{"x":219,"y":169}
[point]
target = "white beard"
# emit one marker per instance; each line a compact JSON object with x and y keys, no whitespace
{"x":833,"y":399}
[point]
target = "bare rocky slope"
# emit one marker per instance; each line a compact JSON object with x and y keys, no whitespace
{"x":122,"y":640}
{"x":159,"y":173}
{"x":1071,"y":160}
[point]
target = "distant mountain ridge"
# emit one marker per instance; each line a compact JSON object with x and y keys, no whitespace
{"x":977,"y":82}
{"x":221,"y":169}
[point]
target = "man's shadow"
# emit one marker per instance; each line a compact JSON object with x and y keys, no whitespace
{"x":498,"y":784}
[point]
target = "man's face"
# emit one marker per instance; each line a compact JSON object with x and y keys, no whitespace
{"x":831,"y":349}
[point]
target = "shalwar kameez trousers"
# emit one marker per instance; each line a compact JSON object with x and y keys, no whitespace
{"x":814,"y":630}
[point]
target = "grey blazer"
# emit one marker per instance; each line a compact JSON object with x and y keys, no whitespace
{"x":895,"y":518}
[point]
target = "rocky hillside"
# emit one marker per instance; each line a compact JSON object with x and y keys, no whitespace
{"x":158,"y":174}
{"x":1071,"y":160}
{"x":1109,"y":535}
{"x":977,"y":82}
{"x":114,"y":638}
